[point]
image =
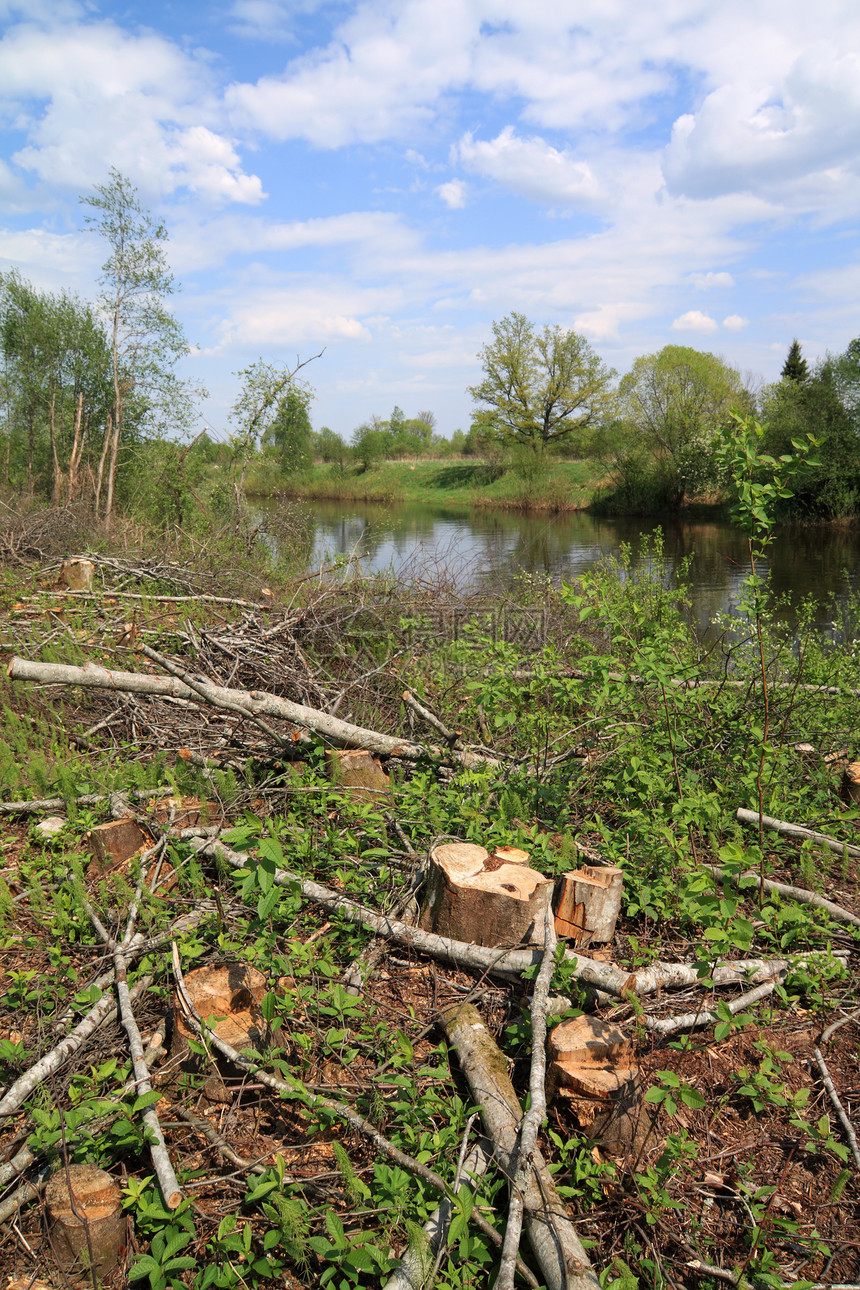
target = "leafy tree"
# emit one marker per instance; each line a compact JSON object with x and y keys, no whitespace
{"x":429,"y":420}
{"x":371,"y":442}
{"x":795,"y":367}
{"x":673,"y":404}
{"x":290,"y":432}
{"x":540,"y":387}
{"x":826,"y":406}
{"x":56,"y":367}
{"x":331,"y":447}
{"x":264,"y":387}
{"x":146,"y":341}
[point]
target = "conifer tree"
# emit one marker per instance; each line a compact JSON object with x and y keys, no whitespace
{"x":795,"y":367}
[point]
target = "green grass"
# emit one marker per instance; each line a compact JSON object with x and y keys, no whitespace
{"x":567,"y":485}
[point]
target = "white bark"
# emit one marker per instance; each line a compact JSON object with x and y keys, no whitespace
{"x":554,"y":1239}
{"x":526,"y":1144}
{"x":797,"y":831}
{"x":255,"y":702}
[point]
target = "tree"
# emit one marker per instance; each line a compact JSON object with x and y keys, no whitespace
{"x":673,"y":403}
{"x":146,"y":341}
{"x":371,"y":442}
{"x":331,"y":447}
{"x":540,"y":387}
{"x":264,"y":388}
{"x":827,"y":406}
{"x":290,"y":432}
{"x":795,"y":367}
{"x":56,"y":369}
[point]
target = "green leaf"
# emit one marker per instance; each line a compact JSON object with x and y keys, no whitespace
{"x":145,"y":1100}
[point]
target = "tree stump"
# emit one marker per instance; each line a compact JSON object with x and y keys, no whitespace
{"x":94,"y":1210}
{"x":472,"y":896}
{"x":850,"y":789}
{"x":229,"y":997}
{"x":113,"y":843}
{"x":589,"y":904}
{"x":360,"y":772}
{"x":77,"y":575}
{"x":594,"y":1074}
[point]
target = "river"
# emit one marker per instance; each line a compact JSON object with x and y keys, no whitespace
{"x":479,"y":548}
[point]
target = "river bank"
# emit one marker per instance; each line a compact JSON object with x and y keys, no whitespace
{"x":563,"y":486}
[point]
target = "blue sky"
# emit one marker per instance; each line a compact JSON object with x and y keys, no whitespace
{"x":385,"y":179}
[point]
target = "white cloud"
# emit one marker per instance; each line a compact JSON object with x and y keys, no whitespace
{"x":735,"y":322}
{"x":88,"y":96}
{"x":532,"y":168}
{"x":365,"y":235}
{"x":770,"y":134}
{"x":695,"y":320}
{"x":266,"y":319}
{"x":453,"y":194}
{"x":704,"y":281}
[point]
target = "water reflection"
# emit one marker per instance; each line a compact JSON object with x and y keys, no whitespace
{"x":477,"y":548}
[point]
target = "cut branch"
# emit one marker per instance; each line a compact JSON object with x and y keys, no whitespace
{"x":512,"y":963}
{"x":526,"y":1144}
{"x":554,"y":1239}
{"x":253,"y":703}
{"x":797,"y":831}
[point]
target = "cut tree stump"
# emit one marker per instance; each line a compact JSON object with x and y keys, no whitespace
{"x":113,"y":843}
{"x":472,"y":896}
{"x":94,"y":1210}
{"x":188,"y":812}
{"x":229,"y":995}
{"x":850,"y":789}
{"x":589,"y":904}
{"x":77,"y":575}
{"x":359,"y":771}
{"x":594,"y":1074}
{"x":511,"y":855}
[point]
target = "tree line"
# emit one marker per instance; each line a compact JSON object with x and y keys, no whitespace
{"x":89,"y":389}
{"x":658,"y":428}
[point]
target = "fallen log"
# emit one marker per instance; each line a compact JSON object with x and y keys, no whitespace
{"x":554,"y":1239}
{"x":254,"y":703}
{"x":797,"y":831}
{"x":599,"y":976}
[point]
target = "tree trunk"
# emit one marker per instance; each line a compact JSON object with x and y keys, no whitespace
{"x":77,"y":447}
{"x":114,"y":462}
{"x":102,"y":459}
{"x":558,"y":1249}
{"x":56,"y":473}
